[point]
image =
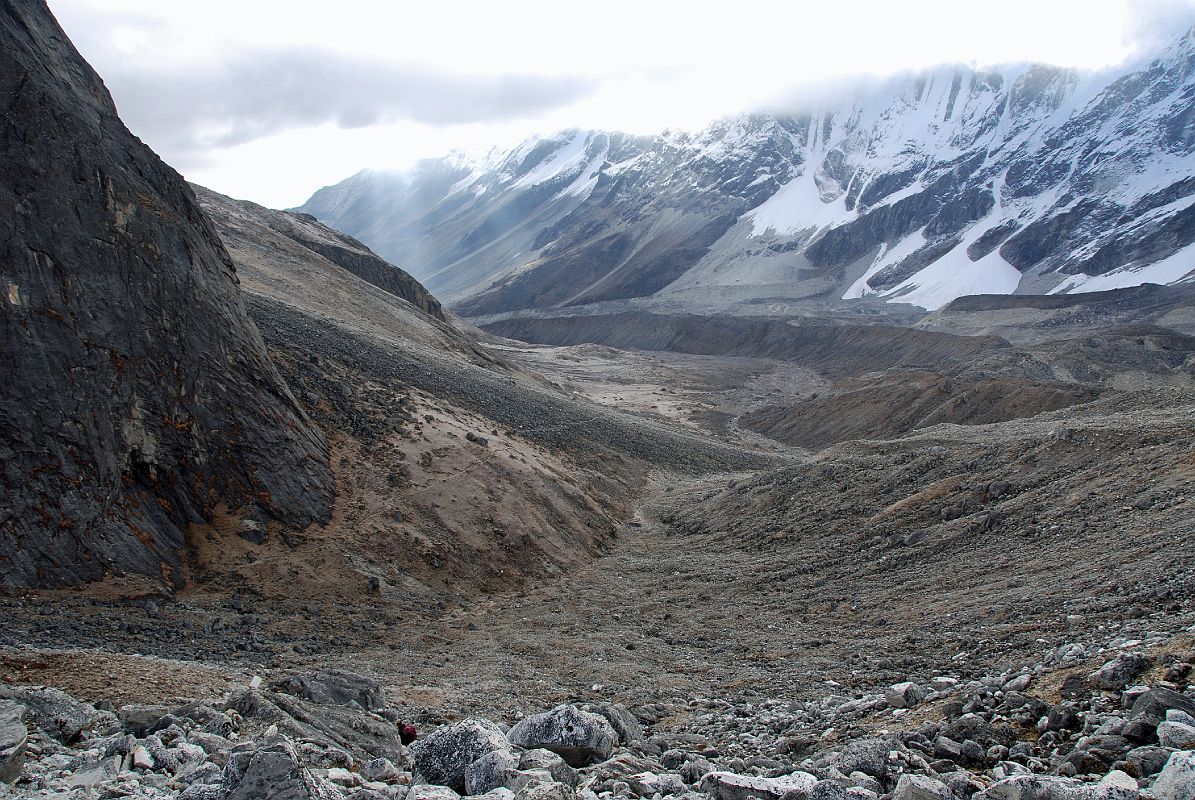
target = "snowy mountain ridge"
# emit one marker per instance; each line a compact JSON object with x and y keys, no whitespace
{"x":919,"y":189}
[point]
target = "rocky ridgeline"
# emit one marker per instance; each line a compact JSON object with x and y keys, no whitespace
{"x":1044,"y":732}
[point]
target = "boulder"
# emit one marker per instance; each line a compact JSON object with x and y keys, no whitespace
{"x":621,"y":720}
{"x":1176,"y":781}
{"x":1116,"y":785}
{"x":496,"y":769}
{"x":649,"y":784}
{"x":272,"y":772}
{"x":545,"y":791}
{"x":869,"y":756}
{"x":580,"y":738}
{"x":138,"y":719}
{"x":444,"y":756}
{"x":1149,"y":710}
{"x":920,"y":787}
{"x":904,"y":695}
{"x":13,"y":738}
{"x":379,"y":770}
{"x":1035,"y":787}
{"x":1178,"y":735}
{"x":731,"y":786}
{"x":551,"y":763}
{"x":1120,"y":671}
{"x":424,"y":791}
{"x":59,"y":715}
{"x":334,"y":687}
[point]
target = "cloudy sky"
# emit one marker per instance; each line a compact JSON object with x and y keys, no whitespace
{"x":269,"y":100}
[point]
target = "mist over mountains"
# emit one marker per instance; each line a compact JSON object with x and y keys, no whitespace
{"x":918,"y":189}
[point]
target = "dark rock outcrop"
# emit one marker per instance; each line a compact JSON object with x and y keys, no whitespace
{"x":137,"y":396}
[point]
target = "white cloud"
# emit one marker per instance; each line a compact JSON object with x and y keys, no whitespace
{"x":216,"y":89}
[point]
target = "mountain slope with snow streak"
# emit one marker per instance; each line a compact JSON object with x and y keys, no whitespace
{"x":920,"y":189}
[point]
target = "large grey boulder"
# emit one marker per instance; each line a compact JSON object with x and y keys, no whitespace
{"x":904,"y":695}
{"x":920,"y":787}
{"x":1176,"y":781}
{"x":424,"y":791}
{"x":1149,"y":710}
{"x":621,"y":720}
{"x":272,"y":772}
{"x":1177,"y":730}
{"x":548,"y":790}
{"x":580,"y":738}
{"x":13,"y":736}
{"x":732,"y":786}
{"x":1120,"y":671}
{"x":334,"y":687}
{"x":1035,"y":787}
{"x":59,"y":715}
{"x":551,"y":763}
{"x":445,"y":755}
{"x":650,"y":784}
{"x":494,"y":770}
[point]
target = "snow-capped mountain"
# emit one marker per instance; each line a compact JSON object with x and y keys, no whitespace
{"x":921,"y":189}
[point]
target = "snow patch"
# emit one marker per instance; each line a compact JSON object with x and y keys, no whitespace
{"x":1169,"y":270}
{"x":955,"y":275}
{"x":884,"y":259}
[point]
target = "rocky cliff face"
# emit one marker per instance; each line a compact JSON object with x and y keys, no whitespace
{"x":137,"y":395}
{"x":926,"y":188}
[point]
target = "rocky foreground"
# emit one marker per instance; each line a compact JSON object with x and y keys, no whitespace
{"x":1053,"y":730}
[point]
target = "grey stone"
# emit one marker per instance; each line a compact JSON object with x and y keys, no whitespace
{"x":625,"y":724}
{"x":1141,"y":762}
{"x":59,"y":715}
{"x":693,"y":770}
{"x":1149,"y":710}
{"x":869,"y":756}
{"x":13,"y":740}
{"x":1035,"y":787}
{"x":1120,"y":671}
{"x":904,"y":695}
{"x":1116,"y":785}
{"x":381,"y":770}
{"x":545,"y":791}
{"x":1176,"y":735}
{"x":493,"y":770}
{"x":731,"y":786}
{"x":270,"y":773}
{"x":1176,"y":781}
{"x":334,"y":687}
{"x":443,"y":757}
{"x":824,"y":790}
{"x":579,"y":737}
{"x":424,"y":791}
{"x":920,"y":787}
{"x":137,"y":719}
{"x":552,"y":763}
{"x":647,"y":784}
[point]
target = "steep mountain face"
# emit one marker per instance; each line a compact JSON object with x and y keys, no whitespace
{"x":1027,"y":179}
{"x":137,"y":395}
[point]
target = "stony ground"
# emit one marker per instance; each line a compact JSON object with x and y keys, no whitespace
{"x":518,"y":528}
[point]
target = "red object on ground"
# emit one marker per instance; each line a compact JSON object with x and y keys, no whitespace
{"x":407,"y":734}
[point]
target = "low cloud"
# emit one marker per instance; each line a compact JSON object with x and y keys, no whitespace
{"x":257,"y":94}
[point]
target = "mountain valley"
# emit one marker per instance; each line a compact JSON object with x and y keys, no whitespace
{"x":588,"y":470}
